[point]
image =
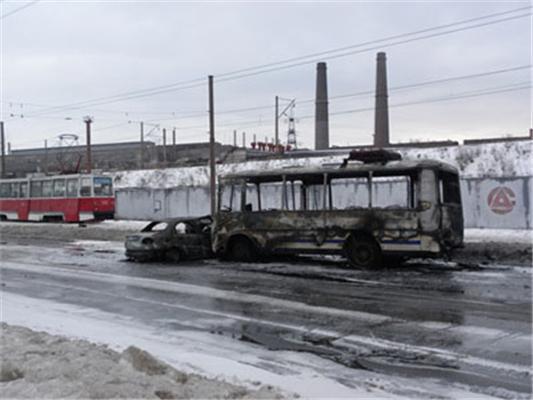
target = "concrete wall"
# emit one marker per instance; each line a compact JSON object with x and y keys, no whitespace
{"x":487,"y":202}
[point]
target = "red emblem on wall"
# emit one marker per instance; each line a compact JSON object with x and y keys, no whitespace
{"x":501,"y":200}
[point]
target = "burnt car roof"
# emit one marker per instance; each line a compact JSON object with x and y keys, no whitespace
{"x":184,"y":219}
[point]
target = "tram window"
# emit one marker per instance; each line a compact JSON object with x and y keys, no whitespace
{"x":85,"y":190}
{"x":102,"y":186}
{"x":48,"y":188}
{"x":15,"y":189}
{"x":36,"y":189}
{"x":5,"y":188}
{"x":59,"y":188}
{"x":72,"y":187}
{"x":24,"y":189}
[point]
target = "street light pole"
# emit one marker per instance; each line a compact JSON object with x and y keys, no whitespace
{"x":212,"y":171}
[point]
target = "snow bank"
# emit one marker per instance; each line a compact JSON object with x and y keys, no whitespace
{"x":479,"y":160}
{"x":40,"y":365}
{"x":499,"y":235}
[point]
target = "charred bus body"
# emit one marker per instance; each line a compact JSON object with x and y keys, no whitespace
{"x":365,"y":211}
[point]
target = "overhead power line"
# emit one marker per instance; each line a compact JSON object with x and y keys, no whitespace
{"x":16,"y":10}
{"x":373,"y":48}
{"x":369,"y":93}
{"x":289,"y":63}
{"x":201,"y":113}
{"x":476,"y":93}
{"x":375,"y":41}
{"x":469,"y":94}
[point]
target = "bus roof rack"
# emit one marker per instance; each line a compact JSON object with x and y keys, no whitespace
{"x":372,"y":156}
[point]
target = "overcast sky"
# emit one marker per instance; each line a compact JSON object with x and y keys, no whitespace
{"x":60,"y":53}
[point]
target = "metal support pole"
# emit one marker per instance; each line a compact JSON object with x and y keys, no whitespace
{"x":234,"y":138}
{"x":45,"y":156}
{"x":88,"y":121}
{"x":164,"y":145}
{"x":212,"y":171}
{"x":3,"y":154}
{"x":141,"y":149}
{"x":244,"y":139}
{"x":276,"y":122}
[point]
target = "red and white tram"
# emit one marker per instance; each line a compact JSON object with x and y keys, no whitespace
{"x":68,"y":198}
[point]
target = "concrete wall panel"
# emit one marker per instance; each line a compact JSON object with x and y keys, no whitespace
{"x":487,"y":202}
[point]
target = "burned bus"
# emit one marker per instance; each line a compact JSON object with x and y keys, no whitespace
{"x":372,"y":206}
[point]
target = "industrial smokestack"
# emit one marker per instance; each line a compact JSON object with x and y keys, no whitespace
{"x":381,"y":122}
{"x":321,"y":108}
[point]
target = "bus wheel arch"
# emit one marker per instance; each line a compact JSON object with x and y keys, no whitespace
{"x":241,"y":247}
{"x":362,"y":250}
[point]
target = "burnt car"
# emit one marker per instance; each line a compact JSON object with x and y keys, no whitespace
{"x":173,"y":240}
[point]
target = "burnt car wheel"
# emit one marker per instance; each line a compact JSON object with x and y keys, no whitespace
{"x":174,"y":256}
{"x":241,"y":249}
{"x":363,"y":251}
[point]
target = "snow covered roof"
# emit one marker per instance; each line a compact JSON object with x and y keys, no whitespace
{"x":312,"y":173}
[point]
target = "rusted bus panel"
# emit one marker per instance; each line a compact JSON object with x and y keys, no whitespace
{"x":403,"y":213}
{"x":317,"y":230}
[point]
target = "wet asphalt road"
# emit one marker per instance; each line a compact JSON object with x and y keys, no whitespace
{"x":468,"y":326}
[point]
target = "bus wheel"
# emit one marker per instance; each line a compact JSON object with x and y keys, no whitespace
{"x":241,"y":249}
{"x":363,"y":251}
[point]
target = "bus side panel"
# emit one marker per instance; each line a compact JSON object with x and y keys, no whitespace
{"x":428,"y":195}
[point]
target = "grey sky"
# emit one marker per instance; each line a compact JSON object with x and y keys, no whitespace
{"x":57,"y":53}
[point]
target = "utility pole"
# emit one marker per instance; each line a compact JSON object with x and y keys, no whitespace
{"x":3,"y":145}
{"x":164,"y":145}
{"x":88,"y":121}
{"x":212,"y":172}
{"x":141,"y":149}
{"x":276,"y":121}
{"x":45,"y":156}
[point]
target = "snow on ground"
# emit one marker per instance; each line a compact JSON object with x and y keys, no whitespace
{"x":499,"y":235}
{"x":37,"y":364}
{"x":220,"y":357}
{"x":480,"y":160}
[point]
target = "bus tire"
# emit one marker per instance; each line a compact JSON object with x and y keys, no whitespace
{"x":240,"y":248}
{"x":363,"y":251}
